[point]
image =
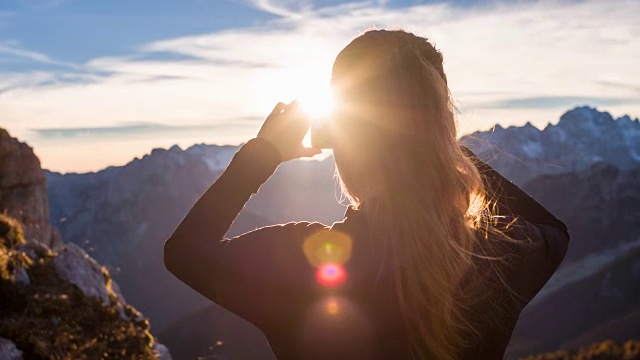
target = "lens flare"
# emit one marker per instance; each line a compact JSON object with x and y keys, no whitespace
{"x":336,"y":322}
{"x":327,"y":246}
{"x":332,"y":307}
{"x":330,"y":275}
{"x":328,"y":250}
{"x":319,"y":102}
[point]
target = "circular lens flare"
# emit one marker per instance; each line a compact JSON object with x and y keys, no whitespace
{"x":327,"y":247}
{"x":330,"y":275}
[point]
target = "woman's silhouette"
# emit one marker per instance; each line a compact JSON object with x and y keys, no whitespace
{"x":437,"y":253}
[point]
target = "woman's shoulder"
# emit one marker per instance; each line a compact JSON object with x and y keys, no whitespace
{"x":527,"y":253}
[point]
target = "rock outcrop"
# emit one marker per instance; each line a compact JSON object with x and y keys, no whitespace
{"x":75,"y":266}
{"x":55,"y":300}
{"x":23,"y":190}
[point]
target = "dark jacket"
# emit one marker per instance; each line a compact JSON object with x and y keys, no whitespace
{"x":264,"y":277}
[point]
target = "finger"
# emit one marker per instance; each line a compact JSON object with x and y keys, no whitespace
{"x":278,"y":108}
{"x":299,"y":123}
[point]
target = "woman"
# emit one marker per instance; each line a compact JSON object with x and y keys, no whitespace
{"x":437,"y":254}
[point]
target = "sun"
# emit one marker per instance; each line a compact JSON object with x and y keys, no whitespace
{"x":308,"y":83}
{"x":316,"y":103}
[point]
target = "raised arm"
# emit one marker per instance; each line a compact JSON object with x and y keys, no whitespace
{"x":191,"y":251}
{"x":232,"y":271}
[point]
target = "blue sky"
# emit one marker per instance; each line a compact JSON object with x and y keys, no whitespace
{"x":95,"y":83}
{"x":77,"y":31}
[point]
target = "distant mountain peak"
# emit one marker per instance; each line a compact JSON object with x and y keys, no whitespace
{"x":585,"y":118}
{"x":583,"y":136}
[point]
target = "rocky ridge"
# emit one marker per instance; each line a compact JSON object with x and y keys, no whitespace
{"x":583,"y":136}
{"x":55,"y":300}
{"x":23,"y":190}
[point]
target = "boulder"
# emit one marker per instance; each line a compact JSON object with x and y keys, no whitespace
{"x":78,"y":268}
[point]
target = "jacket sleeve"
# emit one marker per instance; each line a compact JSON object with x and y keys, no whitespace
{"x":246,"y":274}
{"x":544,"y":239}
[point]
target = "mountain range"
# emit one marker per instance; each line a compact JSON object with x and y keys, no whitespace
{"x":585,"y":169}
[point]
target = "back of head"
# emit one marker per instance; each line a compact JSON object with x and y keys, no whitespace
{"x":394,"y":107}
{"x":396,"y":142}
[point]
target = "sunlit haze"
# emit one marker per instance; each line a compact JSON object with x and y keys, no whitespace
{"x":92,"y":84}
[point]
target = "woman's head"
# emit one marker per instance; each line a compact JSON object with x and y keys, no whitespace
{"x":395,"y":140}
{"x":393,"y":109}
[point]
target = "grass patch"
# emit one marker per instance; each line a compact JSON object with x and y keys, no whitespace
{"x":51,"y":318}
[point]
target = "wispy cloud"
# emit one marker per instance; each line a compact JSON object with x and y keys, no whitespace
{"x":624,"y":85}
{"x":31,"y":55}
{"x":285,"y":8}
{"x":507,"y":63}
{"x":136,"y":129}
{"x":559,"y":102}
{"x":12,"y":49}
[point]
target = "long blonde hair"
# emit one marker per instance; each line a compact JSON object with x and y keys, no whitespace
{"x":396,"y":150}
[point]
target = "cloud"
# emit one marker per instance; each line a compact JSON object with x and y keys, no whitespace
{"x":136,"y":129}
{"x":31,"y":55}
{"x":83,"y":149}
{"x":507,"y":63}
{"x":10,"y":48}
{"x":561,"y":102}
{"x":624,"y":85}
{"x":285,"y":8}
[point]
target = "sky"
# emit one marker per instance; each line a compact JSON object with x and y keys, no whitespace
{"x":90,"y":84}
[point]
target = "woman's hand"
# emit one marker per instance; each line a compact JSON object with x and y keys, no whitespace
{"x":285,"y":128}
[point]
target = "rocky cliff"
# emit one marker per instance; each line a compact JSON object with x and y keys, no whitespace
{"x":23,"y":190}
{"x":56,"y":302}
